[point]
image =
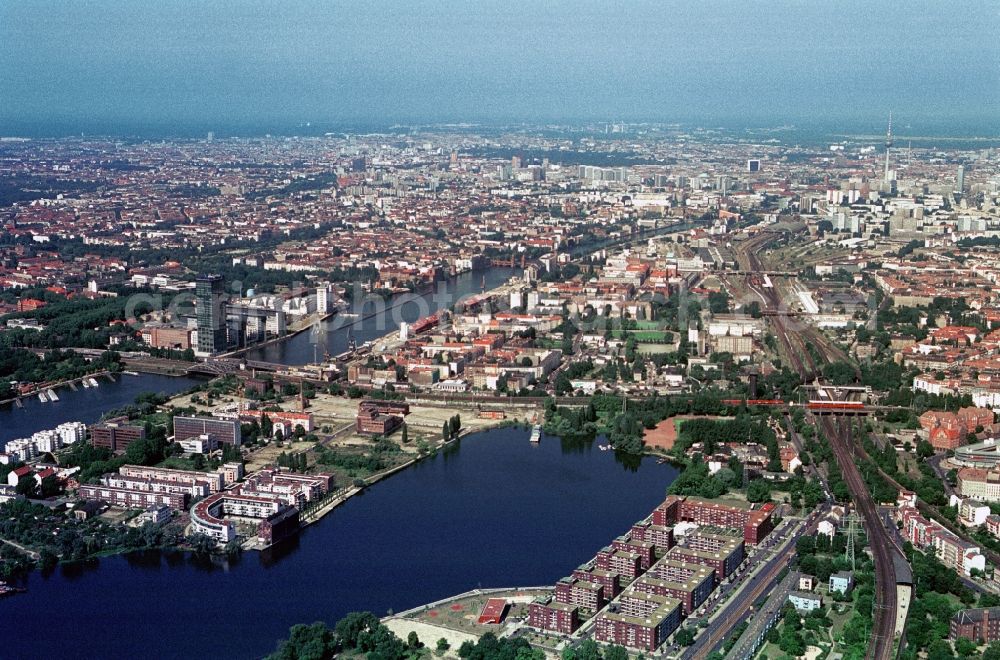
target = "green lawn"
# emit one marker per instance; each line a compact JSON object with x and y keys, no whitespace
{"x":657,"y":336}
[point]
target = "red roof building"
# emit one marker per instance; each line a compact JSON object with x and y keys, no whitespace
{"x":494,"y":611}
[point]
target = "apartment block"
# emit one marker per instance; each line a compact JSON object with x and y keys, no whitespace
{"x":639,"y":621}
{"x":626,"y":564}
{"x":545,"y":613}
{"x":582,"y":593}
{"x":659,"y":535}
{"x":131,"y":499}
{"x":756,"y":522}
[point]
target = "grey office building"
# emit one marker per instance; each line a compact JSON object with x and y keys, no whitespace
{"x":210,"y":313}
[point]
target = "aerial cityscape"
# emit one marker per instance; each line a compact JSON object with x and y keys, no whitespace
{"x":601,"y":366}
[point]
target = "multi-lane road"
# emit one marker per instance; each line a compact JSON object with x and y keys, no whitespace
{"x":739,"y":608}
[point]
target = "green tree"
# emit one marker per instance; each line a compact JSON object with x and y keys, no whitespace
{"x":47,"y":560}
{"x":588,"y":650}
{"x":350,"y":627}
{"x":27,"y":486}
{"x":307,"y":642}
{"x":684,"y":636}
{"x":758,"y":490}
{"x":992,"y":652}
{"x":940,"y":649}
{"x":966,"y":647}
{"x":50,"y":486}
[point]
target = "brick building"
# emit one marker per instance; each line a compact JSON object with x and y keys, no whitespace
{"x":756,"y":522}
{"x":645,"y":550}
{"x":166,"y":337}
{"x":948,"y":430}
{"x":980,"y":625}
{"x":579,"y":592}
{"x":607,"y":579}
{"x":640,"y":621}
{"x":279,"y":525}
{"x":659,"y":535}
{"x":545,"y":613}
{"x":116,"y":434}
{"x":724,"y":554}
{"x":380,"y":417}
{"x":626,"y":564}
{"x":689,"y":583}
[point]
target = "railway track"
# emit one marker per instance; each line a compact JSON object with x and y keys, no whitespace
{"x":881,"y":645}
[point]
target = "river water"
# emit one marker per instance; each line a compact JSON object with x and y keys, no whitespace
{"x":493,"y":511}
{"x":83,"y":405}
{"x":333,"y":335}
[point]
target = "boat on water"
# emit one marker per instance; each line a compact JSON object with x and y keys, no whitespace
{"x":52,"y":394}
{"x":8,"y":590}
{"x":604,"y":447}
{"x":536,"y":433}
{"x":93,"y":382}
{"x":85,"y":382}
{"x":42,"y":397}
{"x":131,"y":373}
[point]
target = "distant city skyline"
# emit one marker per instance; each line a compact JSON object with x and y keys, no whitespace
{"x":247,"y":67}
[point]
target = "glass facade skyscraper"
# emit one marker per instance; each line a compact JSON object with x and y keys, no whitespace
{"x":210,"y":313}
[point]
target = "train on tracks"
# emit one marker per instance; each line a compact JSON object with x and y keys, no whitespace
{"x":831,"y":407}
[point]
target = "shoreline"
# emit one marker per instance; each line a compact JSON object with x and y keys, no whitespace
{"x":52,"y":386}
{"x":240,"y":352}
{"x":315,"y":515}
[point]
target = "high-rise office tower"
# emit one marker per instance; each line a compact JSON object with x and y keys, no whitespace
{"x":210,"y":313}
{"x":960,"y":180}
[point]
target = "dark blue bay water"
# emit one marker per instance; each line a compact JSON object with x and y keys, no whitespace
{"x":83,"y":405}
{"x":493,"y":511}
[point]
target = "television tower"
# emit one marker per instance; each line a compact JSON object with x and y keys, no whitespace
{"x":888,"y":146}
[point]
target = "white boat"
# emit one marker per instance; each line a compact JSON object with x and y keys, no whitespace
{"x":604,"y":447}
{"x":52,"y":395}
{"x":85,"y":382}
{"x":42,"y":397}
{"x":93,"y":382}
{"x":131,"y":373}
{"x":536,"y":433}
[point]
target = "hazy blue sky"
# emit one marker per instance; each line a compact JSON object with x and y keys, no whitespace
{"x":249,"y":63}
